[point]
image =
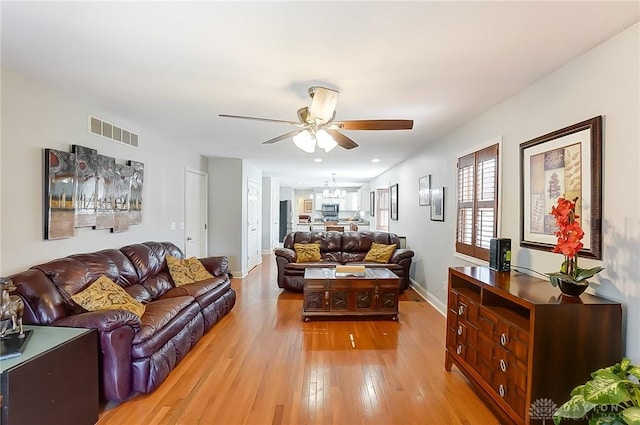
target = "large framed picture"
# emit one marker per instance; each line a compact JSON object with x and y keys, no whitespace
{"x":372,"y":203}
{"x":424,"y":189}
{"x":437,"y":204}
{"x":394,"y":201}
{"x":566,"y":163}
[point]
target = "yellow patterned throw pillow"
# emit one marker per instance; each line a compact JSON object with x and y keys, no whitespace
{"x":380,"y":253}
{"x":307,"y":252}
{"x":186,"y":271}
{"x":105,"y":294}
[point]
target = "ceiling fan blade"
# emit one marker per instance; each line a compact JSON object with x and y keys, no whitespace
{"x":341,"y":139}
{"x":242,"y":117}
{"x":282,"y":137}
{"x":323,"y":103}
{"x":373,"y":124}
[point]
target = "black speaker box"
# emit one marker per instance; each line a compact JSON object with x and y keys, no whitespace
{"x":500,"y":254}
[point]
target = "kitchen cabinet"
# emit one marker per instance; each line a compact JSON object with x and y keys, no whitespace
{"x":520,"y":342}
{"x":363,"y":198}
{"x":317,"y":201}
{"x":351,"y":201}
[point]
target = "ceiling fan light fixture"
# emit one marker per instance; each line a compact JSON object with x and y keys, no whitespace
{"x":325,"y":141}
{"x":305,"y":141}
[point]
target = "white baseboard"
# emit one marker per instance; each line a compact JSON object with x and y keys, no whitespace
{"x":436,"y":303}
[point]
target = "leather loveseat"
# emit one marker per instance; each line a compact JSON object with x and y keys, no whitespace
{"x":135,"y":353}
{"x":339,"y":248}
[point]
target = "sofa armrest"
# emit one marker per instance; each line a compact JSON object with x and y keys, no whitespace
{"x":102,"y":320}
{"x":217,"y":266}
{"x":400,"y":254}
{"x":286,"y":253}
{"x":116,"y":329}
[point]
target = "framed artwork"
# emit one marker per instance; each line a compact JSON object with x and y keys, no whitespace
{"x":424,"y":187}
{"x":135,"y":197}
{"x":122,"y":193}
{"x":437,"y":204}
{"x":372,"y":203}
{"x":394,"y":201}
{"x":566,"y":163}
{"x":308,"y":206}
{"x":86,"y":181}
{"x":105,"y":192}
{"x":59,"y":194}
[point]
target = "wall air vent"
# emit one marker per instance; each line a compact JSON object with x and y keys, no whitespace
{"x":110,"y":131}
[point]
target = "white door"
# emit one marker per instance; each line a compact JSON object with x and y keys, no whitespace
{"x":195,"y":214}
{"x":253,"y":224}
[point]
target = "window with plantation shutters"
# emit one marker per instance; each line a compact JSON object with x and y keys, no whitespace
{"x":382,"y":209}
{"x":477,"y":218}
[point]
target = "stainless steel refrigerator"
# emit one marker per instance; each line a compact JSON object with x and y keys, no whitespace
{"x":286,"y":219}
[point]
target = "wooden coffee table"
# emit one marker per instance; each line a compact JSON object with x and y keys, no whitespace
{"x":374,"y":294}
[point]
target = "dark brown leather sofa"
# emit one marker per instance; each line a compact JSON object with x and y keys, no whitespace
{"x":339,"y":248}
{"x":136,"y":354}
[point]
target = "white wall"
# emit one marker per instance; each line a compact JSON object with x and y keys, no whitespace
{"x":35,"y":117}
{"x":225,"y":204}
{"x":604,"y":81}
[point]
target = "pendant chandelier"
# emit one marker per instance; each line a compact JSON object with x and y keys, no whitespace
{"x":332,"y":191}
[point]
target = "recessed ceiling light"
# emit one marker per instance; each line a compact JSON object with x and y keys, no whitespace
{"x":318,"y":160}
{"x":375,"y":160}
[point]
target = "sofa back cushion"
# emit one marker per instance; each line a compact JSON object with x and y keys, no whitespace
{"x":44,"y":303}
{"x":330,"y":243}
{"x":356,"y":245}
{"x":127,"y":274}
{"x":149,"y":260}
{"x":69,"y":276}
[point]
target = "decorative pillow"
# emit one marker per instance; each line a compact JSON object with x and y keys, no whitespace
{"x":307,"y":252}
{"x":186,"y":271}
{"x":380,"y":253}
{"x":105,"y":294}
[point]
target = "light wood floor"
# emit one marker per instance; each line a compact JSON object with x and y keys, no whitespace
{"x":262,"y":365}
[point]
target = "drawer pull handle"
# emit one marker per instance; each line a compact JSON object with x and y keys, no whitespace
{"x":459,"y":329}
{"x":460,"y":310}
{"x":459,"y":350}
{"x":502,"y":391}
{"x":503,"y":339}
{"x":503,"y":365}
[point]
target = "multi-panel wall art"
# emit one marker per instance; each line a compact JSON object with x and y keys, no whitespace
{"x":86,"y":189}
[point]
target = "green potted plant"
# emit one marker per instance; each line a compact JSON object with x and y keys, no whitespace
{"x":571,"y":279}
{"x":611,"y":397}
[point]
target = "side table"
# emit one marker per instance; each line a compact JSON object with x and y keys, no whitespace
{"x":54,"y":381}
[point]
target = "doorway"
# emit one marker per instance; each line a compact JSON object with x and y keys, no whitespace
{"x":195,"y":213}
{"x":253,"y":224}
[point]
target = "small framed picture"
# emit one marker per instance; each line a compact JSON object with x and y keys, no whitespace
{"x":308,"y":205}
{"x":424,"y":189}
{"x":437,"y":204}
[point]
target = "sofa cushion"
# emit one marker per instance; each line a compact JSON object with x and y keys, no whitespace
{"x":163,"y":319}
{"x":104,"y":294}
{"x":186,"y":271}
{"x":205,"y":292}
{"x":307,"y":252}
{"x":380,"y":253}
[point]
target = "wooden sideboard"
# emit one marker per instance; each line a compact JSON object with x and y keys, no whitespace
{"x":522,"y":344}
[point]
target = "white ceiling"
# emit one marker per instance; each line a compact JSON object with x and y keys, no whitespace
{"x":180,"y":64}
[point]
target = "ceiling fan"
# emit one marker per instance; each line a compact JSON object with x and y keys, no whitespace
{"x":316,"y":123}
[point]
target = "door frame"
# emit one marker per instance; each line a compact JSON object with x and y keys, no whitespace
{"x":204,"y":204}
